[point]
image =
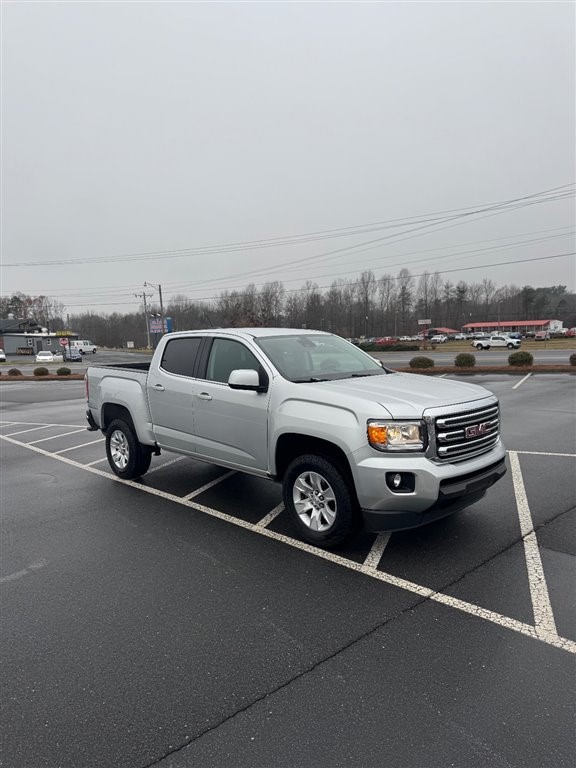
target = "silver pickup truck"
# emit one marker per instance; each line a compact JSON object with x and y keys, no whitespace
{"x":349,"y":440}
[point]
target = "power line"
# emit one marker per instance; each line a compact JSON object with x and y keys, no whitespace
{"x":127,"y":290}
{"x":549,"y":195}
{"x":356,"y":282}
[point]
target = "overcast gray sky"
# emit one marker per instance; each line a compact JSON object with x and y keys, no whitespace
{"x":131,"y":128}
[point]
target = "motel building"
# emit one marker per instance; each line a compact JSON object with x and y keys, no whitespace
{"x":515,"y":326}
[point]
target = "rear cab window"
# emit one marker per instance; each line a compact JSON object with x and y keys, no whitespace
{"x":180,"y":356}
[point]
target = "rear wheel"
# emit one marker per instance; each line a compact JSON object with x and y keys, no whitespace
{"x":319,"y":500}
{"x":127,"y":457}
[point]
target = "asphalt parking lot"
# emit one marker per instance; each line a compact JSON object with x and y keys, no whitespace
{"x":176,"y":621}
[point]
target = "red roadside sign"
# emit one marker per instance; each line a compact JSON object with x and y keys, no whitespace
{"x":63,"y":342}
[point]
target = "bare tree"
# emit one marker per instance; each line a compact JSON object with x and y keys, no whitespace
{"x":405,"y":296}
{"x":366,"y":288}
{"x":387,"y":295}
{"x":423,"y":294}
{"x":435,"y":292}
{"x":270,"y":302}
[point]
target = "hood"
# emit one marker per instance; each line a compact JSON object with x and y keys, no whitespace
{"x":408,"y":395}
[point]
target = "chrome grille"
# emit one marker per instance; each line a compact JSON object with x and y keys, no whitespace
{"x":464,"y":435}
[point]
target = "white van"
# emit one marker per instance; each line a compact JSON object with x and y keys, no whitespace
{"x":83,"y":346}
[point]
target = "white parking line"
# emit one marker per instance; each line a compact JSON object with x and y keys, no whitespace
{"x":209,"y":485}
{"x":388,"y":578}
{"x":75,"y":447}
{"x":40,"y":423}
{"x":99,"y":461}
{"x":55,"y":437}
{"x":521,"y":380}
{"x":545,"y":453}
{"x":272,"y":515}
{"x":543,"y":616}
{"x":375,"y":555}
{"x":24,"y":572}
{"x":31,"y":429}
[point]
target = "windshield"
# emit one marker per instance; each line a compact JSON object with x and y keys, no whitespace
{"x":303,"y":357}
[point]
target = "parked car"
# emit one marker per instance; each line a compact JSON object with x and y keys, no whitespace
{"x":496,"y":341}
{"x":45,"y":356}
{"x":348,"y":439}
{"x":439,"y":338}
{"x":405,"y":338}
{"x":2,"y":356}
{"x":460,"y":337}
{"x":72,"y":355}
{"x":542,"y":336}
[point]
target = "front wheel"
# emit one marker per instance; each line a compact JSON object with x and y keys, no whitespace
{"x":510,"y":346}
{"x":127,"y":457}
{"x":320,"y":500}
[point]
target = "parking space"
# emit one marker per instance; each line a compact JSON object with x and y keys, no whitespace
{"x":501,"y":571}
{"x":443,"y":557}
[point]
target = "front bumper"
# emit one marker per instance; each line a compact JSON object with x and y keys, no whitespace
{"x":454,"y":494}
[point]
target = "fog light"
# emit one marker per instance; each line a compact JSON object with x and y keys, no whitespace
{"x":401,"y":482}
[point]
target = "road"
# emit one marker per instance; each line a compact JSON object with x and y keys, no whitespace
{"x":392,"y":359}
{"x":176,"y":621}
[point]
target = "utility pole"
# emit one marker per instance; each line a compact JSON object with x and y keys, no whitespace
{"x":145,"y":296}
{"x":159,"y":289}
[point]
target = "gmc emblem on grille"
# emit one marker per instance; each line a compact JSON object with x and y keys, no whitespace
{"x":476,"y":430}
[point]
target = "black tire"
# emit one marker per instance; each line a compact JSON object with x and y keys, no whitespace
{"x":487,"y":346}
{"x":127,"y":457}
{"x":344,"y":507}
{"x":81,"y":351}
{"x":510,"y":346}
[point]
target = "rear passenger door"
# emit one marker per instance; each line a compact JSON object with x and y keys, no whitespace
{"x":171,"y":393}
{"x":231,"y":426}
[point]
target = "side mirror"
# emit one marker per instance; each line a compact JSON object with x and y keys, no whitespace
{"x":247,"y":379}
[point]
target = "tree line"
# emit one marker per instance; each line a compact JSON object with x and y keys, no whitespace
{"x":368,"y":306}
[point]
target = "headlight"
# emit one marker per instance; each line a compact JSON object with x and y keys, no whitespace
{"x":397,"y":435}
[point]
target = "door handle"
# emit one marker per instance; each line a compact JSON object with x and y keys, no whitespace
{"x":204,"y":396}
{"x":159,"y":387}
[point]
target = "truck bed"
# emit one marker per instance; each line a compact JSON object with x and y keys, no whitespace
{"x":125,"y":367}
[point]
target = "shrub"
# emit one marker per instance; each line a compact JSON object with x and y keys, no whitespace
{"x":63,"y":371}
{"x":421,"y":362}
{"x":573,"y":359}
{"x":465,"y":360}
{"x":520,"y":358}
{"x":41,"y":371}
{"x":14,"y":372}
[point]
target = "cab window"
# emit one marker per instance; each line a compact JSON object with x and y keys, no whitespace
{"x":226,"y":356}
{"x":179,"y":355}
